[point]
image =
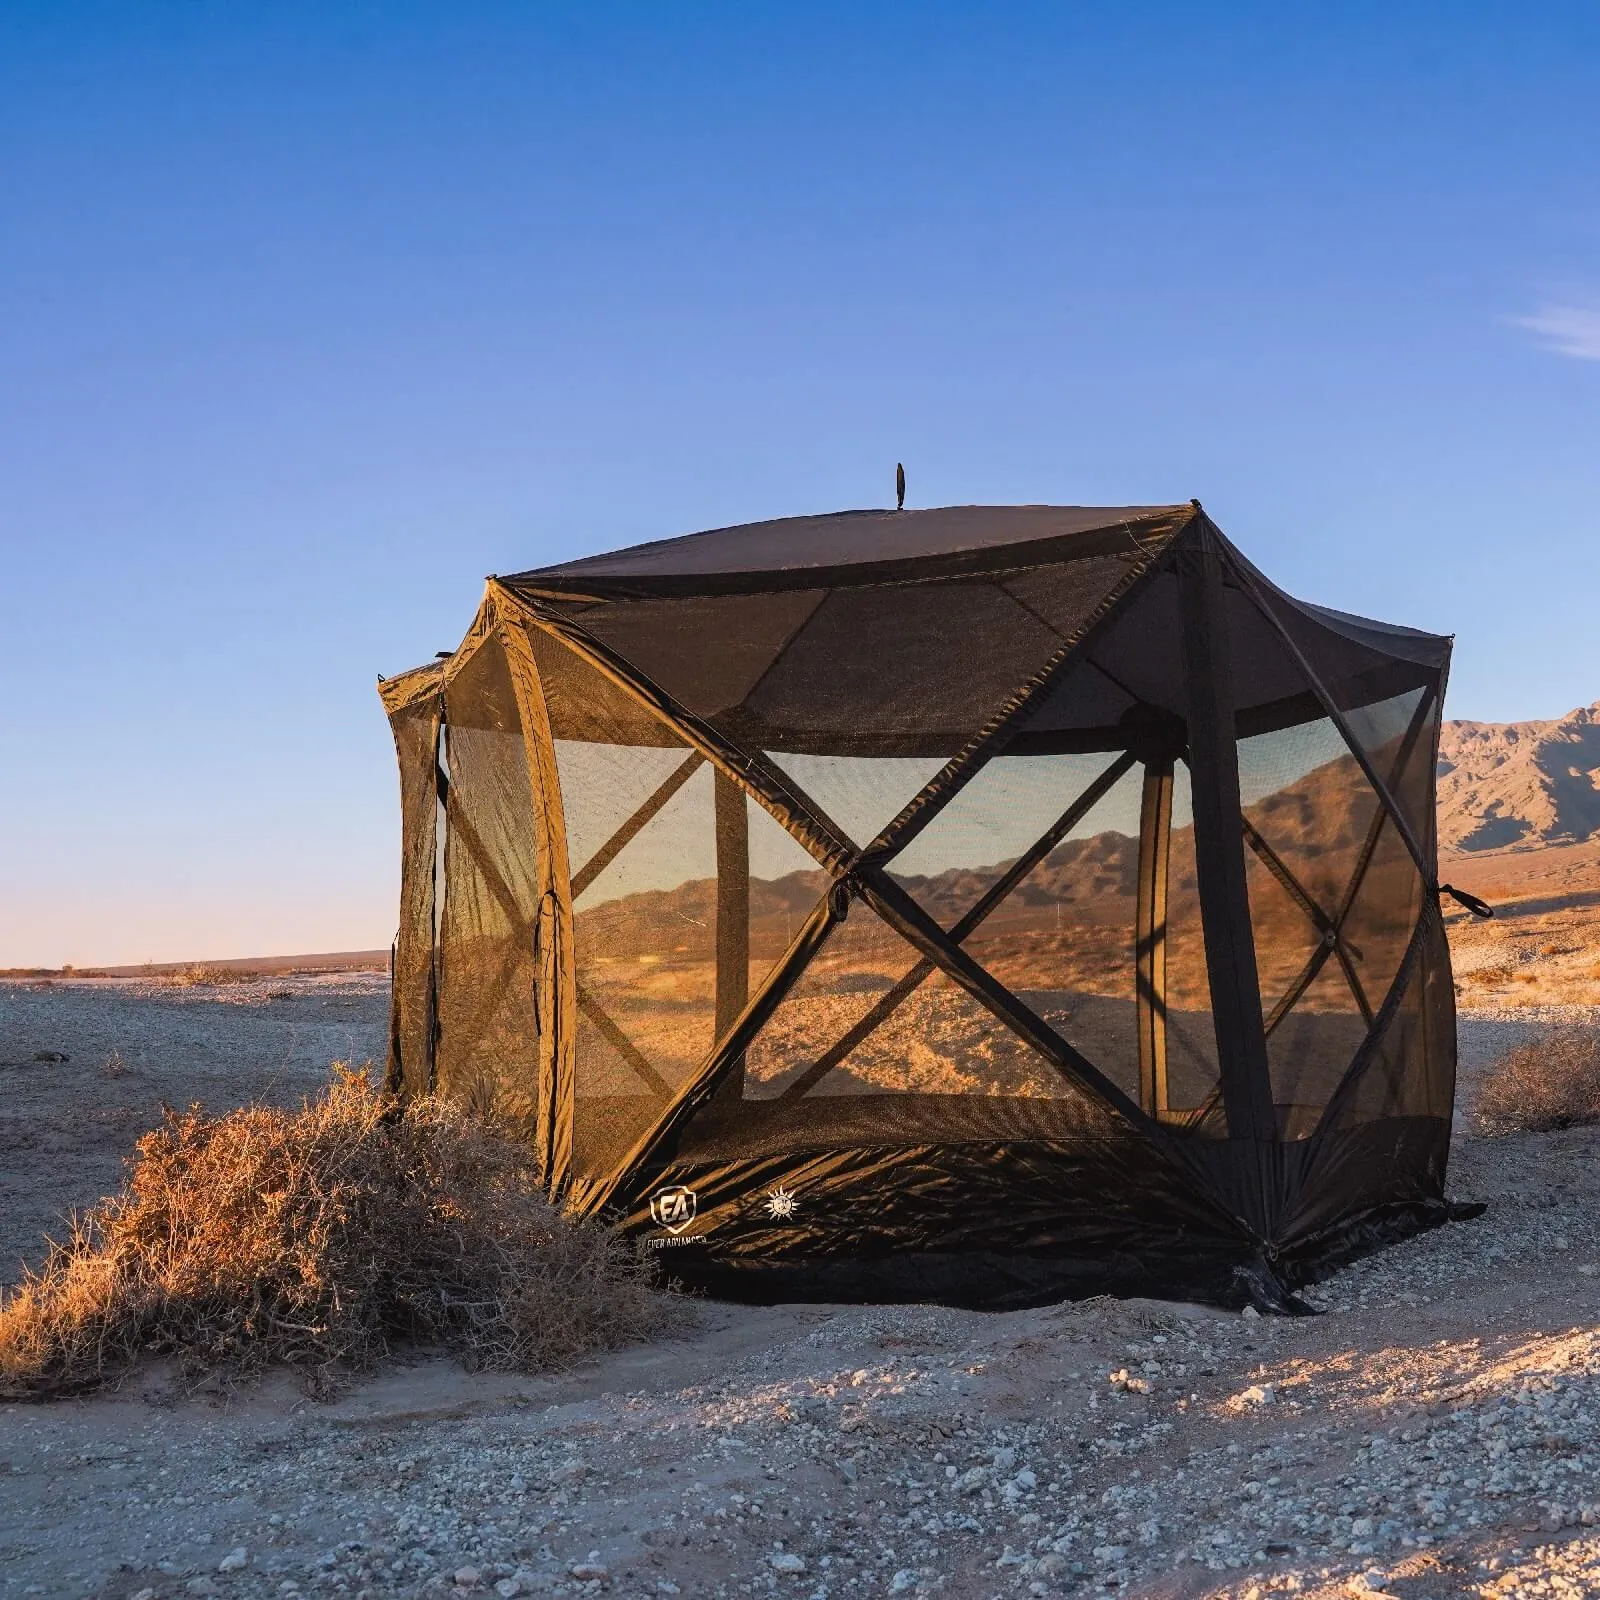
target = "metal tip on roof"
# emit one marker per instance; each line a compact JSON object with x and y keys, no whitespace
{"x":1195,"y":504}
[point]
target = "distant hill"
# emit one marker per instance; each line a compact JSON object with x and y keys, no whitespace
{"x":1520,"y":784}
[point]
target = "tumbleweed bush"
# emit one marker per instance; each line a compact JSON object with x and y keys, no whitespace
{"x":1552,"y":1082}
{"x":321,"y":1239}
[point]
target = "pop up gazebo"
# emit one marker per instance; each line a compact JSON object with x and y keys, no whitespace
{"x":983,"y":904}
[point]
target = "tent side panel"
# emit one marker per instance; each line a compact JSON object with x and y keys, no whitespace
{"x":487,"y":1051}
{"x":415,"y":729}
{"x":555,"y":990}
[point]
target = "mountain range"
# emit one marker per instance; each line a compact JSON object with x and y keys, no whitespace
{"x":1519,"y":785}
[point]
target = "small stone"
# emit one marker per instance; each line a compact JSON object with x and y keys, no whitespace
{"x":1258,"y":1395}
{"x":905,"y":1578}
{"x":507,"y":1587}
{"x":589,"y":1572}
{"x":235,"y":1559}
{"x":1026,"y":1480}
{"x":201,"y":1586}
{"x":1250,"y":1313}
{"x":518,"y":1483}
{"x":786,"y":1561}
{"x":467,"y":1577}
{"x":847,"y":1470}
{"x":51,"y":1055}
{"x":1005,"y":1459}
{"x":144,"y":1594}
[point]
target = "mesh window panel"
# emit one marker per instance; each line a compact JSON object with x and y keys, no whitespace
{"x":859,"y":793}
{"x":645,"y":952}
{"x":785,"y":886}
{"x":1311,"y":1049}
{"x":1379,"y":924}
{"x":1399,"y":745}
{"x":995,"y":820}
{"x":874,"y":1046}
{"x":868,"y":1016}
{"x":1312,"y":820}
{"x":641,"y":853}
{"x":859,"y":964}
{"x":413,"y":729}
{"x":1193,"y":1075}
{"x":488,"y":1050}
{"x":1063,"y":939}
{"x":1412,"y":1069}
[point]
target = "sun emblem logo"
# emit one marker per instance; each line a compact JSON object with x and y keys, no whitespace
{"x":781,"y":1203}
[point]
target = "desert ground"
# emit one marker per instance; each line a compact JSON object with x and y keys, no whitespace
{"x":1435,"y":1432}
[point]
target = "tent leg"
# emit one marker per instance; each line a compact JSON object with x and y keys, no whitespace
{"x":733,"y":912}
{"x":1155,"y":836}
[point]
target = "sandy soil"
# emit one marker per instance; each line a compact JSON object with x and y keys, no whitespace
{"x":65,"y":1126}
{"x":1436,"y":1432}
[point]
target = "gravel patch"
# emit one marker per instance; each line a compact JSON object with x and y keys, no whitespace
{"x":1435,"y":1433}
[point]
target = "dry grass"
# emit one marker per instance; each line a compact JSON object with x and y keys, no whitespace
{"x":321,"y":1239}
{"x":204,"y":976}
{"x":1553,"y":1083}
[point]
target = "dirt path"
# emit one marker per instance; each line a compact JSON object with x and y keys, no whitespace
{"x":1436,"y":1432}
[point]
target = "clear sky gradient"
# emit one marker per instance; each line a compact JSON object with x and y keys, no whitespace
{"x":312,"y":315}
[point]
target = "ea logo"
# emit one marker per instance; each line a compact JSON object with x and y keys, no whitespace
{"x":673,"y":1208}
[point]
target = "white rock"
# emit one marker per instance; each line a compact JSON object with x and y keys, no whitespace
{"x":786,"y":1561}
{"x":144,"y":1594}
{"x":507,"y":1587}
{"x":201,"y":1586}
{"x":467,"y":1577}
{"x":1258,"y":1395}
{"x":590,"y":1572}
{"x":236,"y":1558}
{"x":905,"y":1578}
{"x":1026,"y":1480}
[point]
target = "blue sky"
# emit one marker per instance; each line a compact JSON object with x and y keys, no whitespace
{"x":310,"y":316}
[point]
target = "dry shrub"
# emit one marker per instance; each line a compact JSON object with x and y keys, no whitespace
{"x":1553,"y":1083}
{"x":320,"y":1239}
{"x":203,"y":976}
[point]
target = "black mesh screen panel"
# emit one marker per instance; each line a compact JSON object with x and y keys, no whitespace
{"x":414,"y":730}
{"x":488,"y":1047}
{"x":1062,"y":939}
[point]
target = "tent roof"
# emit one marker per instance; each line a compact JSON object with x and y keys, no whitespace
{"x":856,"y":547}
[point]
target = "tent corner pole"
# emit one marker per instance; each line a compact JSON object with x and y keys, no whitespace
{"x":1219,"y":846}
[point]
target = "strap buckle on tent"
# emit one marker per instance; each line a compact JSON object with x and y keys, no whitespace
{"x":1479,"y":908}
{"x":839,"y":897}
